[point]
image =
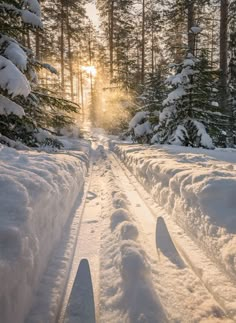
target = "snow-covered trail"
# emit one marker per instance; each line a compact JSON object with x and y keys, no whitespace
{"x":138,"y":275}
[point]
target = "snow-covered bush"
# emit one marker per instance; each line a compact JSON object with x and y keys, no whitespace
{"x":140,"y":127}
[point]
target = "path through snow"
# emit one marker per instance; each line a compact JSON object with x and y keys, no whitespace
{"x":136,"y":277}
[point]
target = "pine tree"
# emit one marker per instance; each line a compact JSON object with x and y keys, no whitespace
{"x":185,"y":119}
{"x":27,"y":109}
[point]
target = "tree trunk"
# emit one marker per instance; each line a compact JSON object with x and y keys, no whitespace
{"x":111,"y":36}
{"x":92,"y":116}
{"x":152,"y":48}
{"x":62,"y":50}
{"x":191,"y":37}
{"x":224,"y":47}
{"x":69,"y":53}
{"x":143,"y":44}
{"x":28,"y":39}
{"x":37,"y":43}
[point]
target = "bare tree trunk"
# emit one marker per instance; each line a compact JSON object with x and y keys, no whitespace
{"x":224,"y":45}
{"x":28,"y":39}
{"x":143,"y":44}
{"x":92,"y":116}
{"x":111,"y":36}
{"x":80,"y":86}
{"x":152,"y":49}
{"x":190,"y":25}
{"x":37,"y":43}
{"x":62,"y":50}
{"x":69,"y":53}
{"x":212,"y":41}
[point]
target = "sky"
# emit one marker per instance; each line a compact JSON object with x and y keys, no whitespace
{"x":92,"y":13}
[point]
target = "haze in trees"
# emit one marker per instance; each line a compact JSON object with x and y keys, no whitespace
{"x":171,"y":62}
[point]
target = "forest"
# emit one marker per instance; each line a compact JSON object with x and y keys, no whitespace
{"x":153,"y":71}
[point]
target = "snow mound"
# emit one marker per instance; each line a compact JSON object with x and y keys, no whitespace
{"x":133,"y":262}
{"x":119,"y":216}
{"x":128,"y":231}
{"x":119,"y":203}
{"x":139,"y":298}
{"x":37,"y":193}
{"x":197,"y":188}
{"x":119,"y":200}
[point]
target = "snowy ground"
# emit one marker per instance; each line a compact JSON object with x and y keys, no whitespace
{"x":38,"y":191}
{"x":156,"y":255}
{"x":197,"y":188}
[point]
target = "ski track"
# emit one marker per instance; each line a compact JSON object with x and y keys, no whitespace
{"x":136,"y":278}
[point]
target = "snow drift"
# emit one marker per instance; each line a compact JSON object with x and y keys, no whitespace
{"x":197,"y":188}
{"x":37,"y":193}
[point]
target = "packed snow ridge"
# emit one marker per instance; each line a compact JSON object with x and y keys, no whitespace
{"x":197,"y":188}
{"x":38,"y":191}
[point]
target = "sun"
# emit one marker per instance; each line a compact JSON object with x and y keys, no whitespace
{"x":90,"y":70}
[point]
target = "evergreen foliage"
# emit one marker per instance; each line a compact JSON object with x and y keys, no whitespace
{"x":26,"y":109}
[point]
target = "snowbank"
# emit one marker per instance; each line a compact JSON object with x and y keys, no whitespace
{"x":197,"y":187}
{"x":37,"y":193}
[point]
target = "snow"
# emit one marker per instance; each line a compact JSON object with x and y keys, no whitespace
{"x":49,"y":68}
{"x":33,"y":6}
{"x":17,"y":55}
{"x":12,"y":80}
{"x":139,"y":116}
{"x":205,"y":139}
{"x":178,"y":136}
{"x":7,"y":107}
{"x":174,"y":95}
{"x":215,"y":104}
{"x":142,"y":129}
{"x":197,"y":188}
{"x":196,"y":30}
{"x":127,"y":291}
{"x":41,"y":135}
{"x":188,"y":62}
{"x":31,"y":18}
{"x":38,"y":191}
{"x":118,"y":216}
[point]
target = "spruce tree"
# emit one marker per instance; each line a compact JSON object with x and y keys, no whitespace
{"x":190,"y":105}
{"x":27,"y":110}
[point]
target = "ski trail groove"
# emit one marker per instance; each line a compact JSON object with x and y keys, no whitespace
{"x":81,"y":246}
{"x":224,"y":298}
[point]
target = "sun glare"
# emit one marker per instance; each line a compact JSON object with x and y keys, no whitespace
{"x":90,"y":70}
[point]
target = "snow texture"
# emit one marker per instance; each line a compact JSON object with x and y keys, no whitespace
{"x":174,"y":95}
{"x":139,"y":116}
{"x":197,"y":188}
{"x":37,"y":193}
{"x":7,"y":107}
{"x":206,"y":140}
{"x":16,"y":54}
{"x":31,"y":18}
{"x":128,"y":293}
{"x":196,"y":30}
{"x":33,"y":6}
{"x":50,"y":68}
{"x":142,"y":129}
{"x":12,"y":80}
